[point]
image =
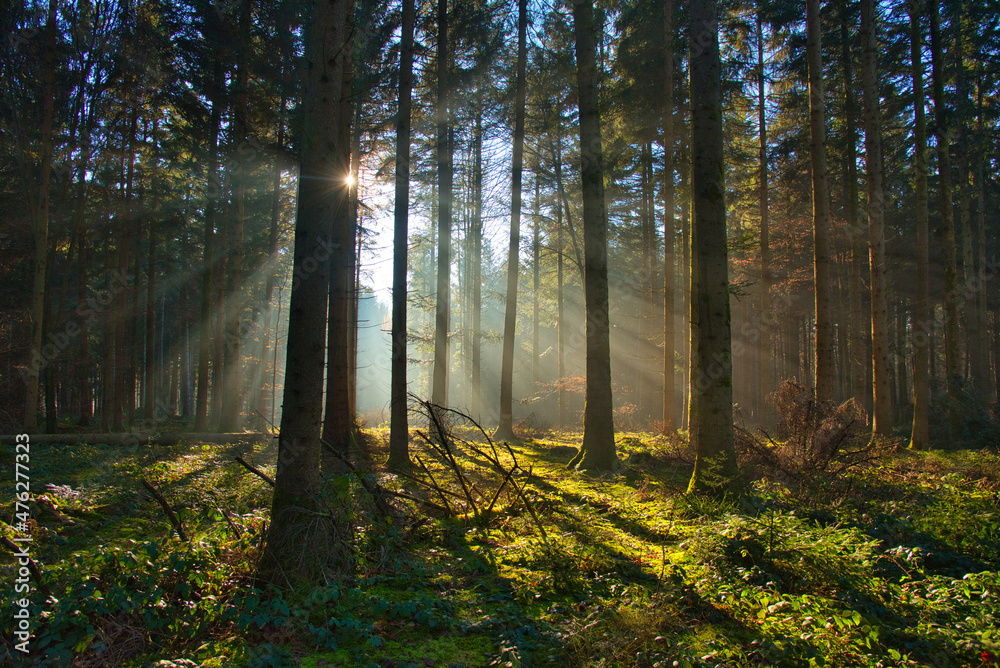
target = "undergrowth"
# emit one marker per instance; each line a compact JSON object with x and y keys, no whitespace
{"x":892,"y":560}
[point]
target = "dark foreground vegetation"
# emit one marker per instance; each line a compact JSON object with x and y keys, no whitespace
{"x":873,"y":555}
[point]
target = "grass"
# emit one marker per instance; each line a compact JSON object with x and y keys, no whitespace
{"x":893,"y":564}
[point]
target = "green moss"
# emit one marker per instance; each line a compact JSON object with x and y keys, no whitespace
{"x":441,"y":651}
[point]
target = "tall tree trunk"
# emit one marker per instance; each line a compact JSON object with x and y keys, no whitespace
{"x":669,"y":411}
{"x":560,"y":316}
{"x":535,"y":282}
{"x":442,"y":311}
{"x":825,"y":367}
{"x":922,"y":322}
{"x":505,"y":430}
{"x":338,"y":420}
{"x":399,"y":436}
{"x":477,"y":259}
{"x":269,"y":342}
{"x":951,"y":329}
{"x":598,"y":450}
{"x":644,"y":380}
{"x":989,"y":387}
{"x":213,"y":192}
{"x":230,"y":419}
{"x":122,"y":400}
{"x":711,"y":412}
{"x":765,"y":360}
{"x":149,"y":398}
{"x":685,"y":173}
{"x":882,"y":423}
{"x":861,"y":372}
{"x":357,"y":238}
{"x":38,"y":288}
{"x":295,"y":531}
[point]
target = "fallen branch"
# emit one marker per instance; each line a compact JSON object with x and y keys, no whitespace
{"x":256,"y":471}
{"x":167,"y":509}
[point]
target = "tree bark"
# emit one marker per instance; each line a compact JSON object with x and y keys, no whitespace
{"x":230,"y":418}
{"x":505,"y":430}
{"x":669,"y":410}
{"x":711,"y":406}
{"x":882,"y":422}
{"x":300,"y":545}
{"x":922,"y":324}
{"x":951,"y":328}
{"x":597,"y":452}
{"x":38,"y":289}
{"x":825,"y":367}
{"x":213,"y":191}
{"x":765,"y":360}
{"x":338,"y":418}
{"x":442,"y":311}
{"x":477,"y":260}
{"x":399,"y":435}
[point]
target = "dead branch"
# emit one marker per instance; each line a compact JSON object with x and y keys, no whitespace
{"x":256,"y":471}
{"x":167,"y":509}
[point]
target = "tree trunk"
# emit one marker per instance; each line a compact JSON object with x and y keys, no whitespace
{"x":338,"y":420}
{"x":230,"y":418}
{"x":213,"y":191}
{"x":598,"y":450}
{"x":477,"y":260}
{"x":685,"y":172}
{"x":825,"y":367}
{"x":149,"y":398}
{"x":38,"y":288}
{"x":442,"y":311}
{"x":505,"y":430}
{"x":301,"y":543}
{"x":922,"y":321}
{"x":951,"y":329}
{"x":669,"y":410}
{"x":535,"y":283}
{"x":711,"y":410}
{"x":982,"y":276}
{"x":861,"y":373}
{"x":765,"y":360}
{"x":399,"y":436}
{"x":882,"y":422}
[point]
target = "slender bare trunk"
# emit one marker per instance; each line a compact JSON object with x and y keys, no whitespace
{"x":882,"y":422}
{"x":399,"y":436}
{"x":951,"y":328}
{"x":821,"y":208}
{"x":38,"y":289}
{"x":922,"y":323}
{"x":505,"y":430}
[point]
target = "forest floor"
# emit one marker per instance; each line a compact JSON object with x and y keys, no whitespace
{"x":894,"y":561}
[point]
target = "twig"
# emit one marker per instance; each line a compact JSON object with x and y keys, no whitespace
{"x":450,"y":457}
{"x":434,"y":485}
{"x":167,"y":509}
{"x":229,"y":521}
{"x":256,"y":471}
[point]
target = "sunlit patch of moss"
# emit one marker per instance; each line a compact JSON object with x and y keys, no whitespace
{"x":471,"y":650}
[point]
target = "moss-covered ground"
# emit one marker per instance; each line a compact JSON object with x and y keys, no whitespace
{"x":893,"y":563}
